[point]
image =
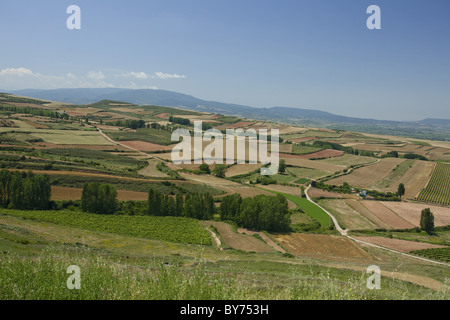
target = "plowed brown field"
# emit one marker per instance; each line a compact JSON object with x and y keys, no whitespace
{"x":411,"y":212}
{"x":321,"y":246}
{"x":387,"y":215}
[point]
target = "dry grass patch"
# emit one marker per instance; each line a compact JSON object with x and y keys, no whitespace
{"x":297,"y":161}
{"x":239,"y":169}
{"x":388,"y":216}
{"x":152,"y":171}
{"x":346,"y":215}
{"x":367,"y":176}
{"x":238,"y":241}
{"x":414,"y":179}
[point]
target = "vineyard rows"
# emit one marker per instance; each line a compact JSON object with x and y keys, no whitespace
{"x":173,"y":229}
{"x":438,"y":189}
{"x":441,"y":254}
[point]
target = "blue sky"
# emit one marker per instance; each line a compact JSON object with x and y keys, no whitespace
{"x":315,"y":54}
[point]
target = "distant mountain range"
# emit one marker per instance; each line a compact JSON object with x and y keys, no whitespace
{"x":438,"y":129}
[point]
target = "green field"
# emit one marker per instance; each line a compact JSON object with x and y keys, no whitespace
{"x":309,"y":208}
{"x":302,"y":180}
{"x":299,"y":149}
{"x":441,"y":254}
{"x":147,"y":135}
{"x":308,"y":173}
{"x":438,"y":188}
{"x":349,"y":160}
{"x":93,"y":155}
{"x":174,"y":229}
{"x":64,"y":137}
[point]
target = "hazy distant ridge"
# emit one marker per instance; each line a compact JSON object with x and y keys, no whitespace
{"x":427,"y":128}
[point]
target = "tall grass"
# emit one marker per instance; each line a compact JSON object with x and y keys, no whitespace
{"x":104,"y":278}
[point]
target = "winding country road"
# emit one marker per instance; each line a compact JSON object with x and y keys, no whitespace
{"x":122,"y":145}
{"x":344,"y":233}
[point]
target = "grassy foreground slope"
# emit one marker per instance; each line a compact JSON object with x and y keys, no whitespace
{"x":34,"y":257}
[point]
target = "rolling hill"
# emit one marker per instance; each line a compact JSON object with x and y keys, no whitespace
{"x":435,"y":129}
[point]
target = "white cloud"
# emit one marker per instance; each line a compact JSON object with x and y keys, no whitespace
{"x":137,"y":75}
{"x":96,"y":75}
{"x":15,"y":72}
{"x":24,"y":78}
{"x":165,"y":76}
{"x":71,"y":76}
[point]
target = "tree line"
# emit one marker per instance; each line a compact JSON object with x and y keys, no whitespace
{"x":132,"y":124}
{"x":197,"y":206}
{"x":24,"y":190}
{"x":261,"y":212}
{"x":258,"y":213}
{"x":36,"y":112}
{"x":178,"y":120}
{"x":102,"y":199}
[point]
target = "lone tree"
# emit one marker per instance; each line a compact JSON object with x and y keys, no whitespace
{"x":401,"y":190}
{"x":282,"y":166}
{"x":204,"y":168}
{"x":427,"y":220}
{"x":219,"y":170}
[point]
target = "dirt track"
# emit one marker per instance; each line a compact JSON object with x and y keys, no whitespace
{"x":269,"y":241}
{"x":239,"y":241}
{"x":398,"y":244}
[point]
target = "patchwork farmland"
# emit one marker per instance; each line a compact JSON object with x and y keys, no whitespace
{"x":131,"y":154}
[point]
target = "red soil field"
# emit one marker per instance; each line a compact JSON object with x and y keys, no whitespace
{"x":386,"y":215}
{"x":321,"y":246}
